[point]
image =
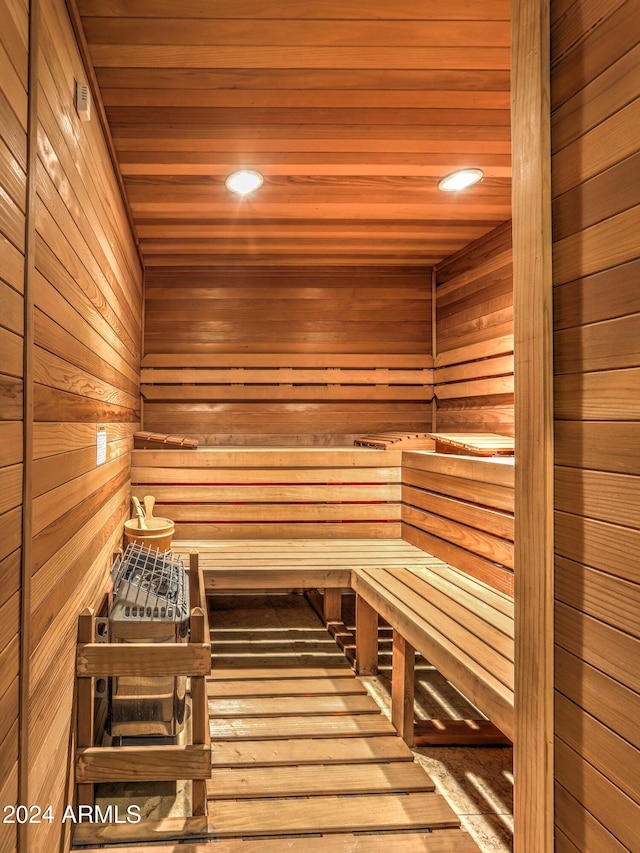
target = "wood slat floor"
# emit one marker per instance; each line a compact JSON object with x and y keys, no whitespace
{"x":303,"y":760}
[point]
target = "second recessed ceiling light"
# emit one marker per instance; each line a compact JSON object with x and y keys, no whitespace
{"x":244,"y":181}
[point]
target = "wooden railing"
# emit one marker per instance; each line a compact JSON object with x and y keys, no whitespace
{"x":97,"y":764}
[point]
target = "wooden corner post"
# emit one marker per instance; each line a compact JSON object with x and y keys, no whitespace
{"x":403,"y":687}
{"x":85,"y":706}
{"x":533,"y":317}
{"x":366,"y":638}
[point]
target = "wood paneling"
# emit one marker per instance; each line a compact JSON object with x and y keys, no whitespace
{"x":345,"y":493}
{"x":295,"y":356}
{"x":351,"y":114}
{"x":597,"y":327}
{"x":14,"y":25}
{"x":461,"y":511}
{"x":474,"y":337}
{"x":82,"y":321}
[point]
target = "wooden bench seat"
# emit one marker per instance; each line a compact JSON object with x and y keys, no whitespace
{"x":461,"y":626}
{"x":278,"y":564}
{"x":456,"y":607}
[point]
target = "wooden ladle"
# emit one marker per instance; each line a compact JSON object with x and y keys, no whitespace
{"x":142,"y":524}
{"x":149,"y":502}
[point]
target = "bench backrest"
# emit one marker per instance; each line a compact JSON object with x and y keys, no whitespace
{"x":279,"y":493}
{"x":460,"y":509}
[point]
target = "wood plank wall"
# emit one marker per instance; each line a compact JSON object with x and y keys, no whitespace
{"x":461,"y":511}
{"x":474,"y":337}
{"x":273,"y":493}
{"x":312,"y":356}
{"x":84,"y":282}
{"x":596,"y":219}
{"x":14,"y":30}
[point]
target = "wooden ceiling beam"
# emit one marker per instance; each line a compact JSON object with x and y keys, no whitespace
{"x":300,"y":116}
{"x":259,"y":245}
{"x":174,"y":163}
{"x":287,"y":259}
{"x":320,"y":211}
{"x":214,"y":32}
{"x":281,"y":99}
{"x":306,"y":79}
{"x":301,"y":9}
{"x":347,"y":58}
{"x":301,"y":230}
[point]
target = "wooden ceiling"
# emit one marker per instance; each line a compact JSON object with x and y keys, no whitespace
{"x":352,"y":111}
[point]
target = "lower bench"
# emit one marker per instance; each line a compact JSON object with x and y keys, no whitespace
{"x":462,"y":626}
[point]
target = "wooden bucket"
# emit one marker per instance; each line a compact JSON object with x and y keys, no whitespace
{"x":158,"y":534}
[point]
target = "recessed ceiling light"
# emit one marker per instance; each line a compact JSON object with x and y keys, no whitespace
{"x":460,"y":180}
{"x":244,"y":181}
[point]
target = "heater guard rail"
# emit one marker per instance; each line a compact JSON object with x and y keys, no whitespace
{"x":97,"y":764}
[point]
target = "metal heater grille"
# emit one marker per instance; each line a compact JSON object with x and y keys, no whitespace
{"x":149,"y":585}
{"x":150,"y":605}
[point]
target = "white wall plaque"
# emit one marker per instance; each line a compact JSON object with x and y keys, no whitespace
{"x":101,"y":445}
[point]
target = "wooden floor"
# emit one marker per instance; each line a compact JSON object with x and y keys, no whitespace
{"x":303,"y":760}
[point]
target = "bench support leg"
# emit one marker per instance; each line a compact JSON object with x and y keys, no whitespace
{"x":403,"y":687}
{"x":332,"y":605}
{"x":366,"y":638}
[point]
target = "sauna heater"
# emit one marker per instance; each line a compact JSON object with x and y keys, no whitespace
{"x":150,"y":605}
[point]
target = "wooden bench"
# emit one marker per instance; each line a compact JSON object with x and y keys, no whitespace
{"x":426,"y":541}
{"x":279,"y":518}
{"x":457,"y":607}
{"x":461,"y":626}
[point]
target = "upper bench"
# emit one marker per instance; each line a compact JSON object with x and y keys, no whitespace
{"x":273,"y":493}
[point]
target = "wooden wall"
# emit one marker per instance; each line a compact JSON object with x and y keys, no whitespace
{"x":474,"y":337}
{"x":81,"y":354}
{"x":273,"y":493}
{"x":596,"y":220}
{"x":14,"y":28}
{"x":461,"y":511}
{"x":287,"y":356}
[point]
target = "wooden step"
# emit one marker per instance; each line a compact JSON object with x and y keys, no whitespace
{"x":328,"y":814}
{"x":311,"y":780}
{"x":322,"y":815}
{"x":271,"y":673}
{"x":284,"y":706}
{"x":312,"y":750}
{"x":438,"y":841}
{"x":268,"y":728}
{"x":286,"y":687}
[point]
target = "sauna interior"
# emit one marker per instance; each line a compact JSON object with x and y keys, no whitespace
{"x":348,"y":297}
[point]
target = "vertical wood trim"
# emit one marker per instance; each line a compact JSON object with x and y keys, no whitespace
{"x":143,"y":321}
{"x":530,"y":121}
{"x":199,"y":709}
{"x":27,"y":427}
{"x":85,"y":705}
{"x":434,"y":344}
